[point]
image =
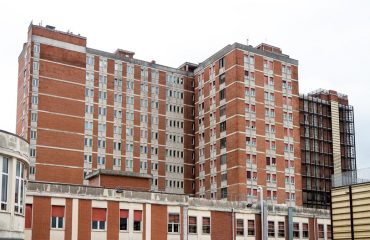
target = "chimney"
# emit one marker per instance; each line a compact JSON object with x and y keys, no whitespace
{"x":124,"y":53}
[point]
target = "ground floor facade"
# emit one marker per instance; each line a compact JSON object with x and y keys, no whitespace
{"x":69,"y":212}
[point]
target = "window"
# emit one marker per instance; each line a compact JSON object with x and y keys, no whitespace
{"x":32,"y":152}
{"x":224,"y":192}
{"x":4,"y":171}
{"x":173,"y":223}
{"x":137,"y":220}
{"x":223,"y":126}
{"x":250,"y":227}
{"x":223,"y":143}
{"x":57,"y":217}
{"x":321,"y":231}
{"x":222,"y":78}
{"x":35,"y":82}
{"x":123,"y":219}
{"x":192,"y":224}
{"x":328,"y":232}
{"x":221,"y":62}
{"x":117,"y":162}
{"x":28,"y":216}
{"x":222,"y":94}
{"x":281,"y":229}
{"x":88,"y":158}
{"x":36,"y":66}
{"x":239,"y":227}
{"x":99,"y":216}
{"x":33,"y":117}
{"x":101,"y":160}
{"x":34,"y":100}
{"x":222,"y":110}
{"x":295,"y":230}
{"x":271,"y":229}
{"x":223,"y":159}
{"x":19,"y":188}
{"x":206,"y":225}
{"x":305,"y":230}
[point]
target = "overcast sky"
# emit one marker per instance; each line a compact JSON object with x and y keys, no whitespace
{"x":331,"y":39}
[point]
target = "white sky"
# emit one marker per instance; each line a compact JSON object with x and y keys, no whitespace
{"x":331,"y":39}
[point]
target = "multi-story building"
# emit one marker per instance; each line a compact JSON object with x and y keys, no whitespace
{"x":327,"y":143}
{"x":13,"y":176}
{"x":247,"y":125}
{"x":222,"y":129}
{"x":83,"y":109}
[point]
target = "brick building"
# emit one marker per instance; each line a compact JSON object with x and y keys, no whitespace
{"x":83,"y":109}
{"x":327,"y":143}
{"x":103,"y":126}
{"x":247,"y":129}
{"x":87,"y":212}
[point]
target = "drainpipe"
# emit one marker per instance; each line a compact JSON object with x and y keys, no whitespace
{"x":262,"y":215}
{"x":232,"y":222}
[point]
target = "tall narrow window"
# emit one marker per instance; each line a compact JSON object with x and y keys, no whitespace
{"x":305,"y":230}
{"x":137,"y":220}
{"x":4,"y":182}
{"x":192,"y":224}
{"x":271,"y":229}
{"x":123,"y":220}
{"x":250,"y":227}
{"x":296,"y":230}
{"x":281,"y":229}
{"x":206,"y":225}
{"x":57,"y":217}
{"x":19,"y":188}
{"x":239,"y":227}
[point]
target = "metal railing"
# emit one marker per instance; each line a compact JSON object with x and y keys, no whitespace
{"x":351,"y":177}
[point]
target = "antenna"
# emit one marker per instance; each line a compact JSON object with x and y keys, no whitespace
{"x":247,"y":41}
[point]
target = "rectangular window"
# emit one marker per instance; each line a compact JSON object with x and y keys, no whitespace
{"x":251,"y":228}
{"x":223,"y":143}
{"x":222,"y":110}
{"x":281,"y":229}
{"x":57,"y":217}
{"x":137,"y":220}
{"x":223,"y":126}
{"x":328,"y":232}
{"x":222,"y":78}
{"x":305,"y":230}
{"x":223,"y":159}
{"x":34,"y":100}
{"x":4,"y":171}
{"x":296,"y":230}
{"x":19,"y":188}
{"x":222,"y":94}
{"x":224,"y":192}
{"x":239,"y":227}
{"x":271,"y":229}
{"x":192,"y":224}
{"x":206,"y":225}
{"x":99,"y":217}
{"x":321,"y":231}
{"x":123,"y":220}
{"x":173,"y":223}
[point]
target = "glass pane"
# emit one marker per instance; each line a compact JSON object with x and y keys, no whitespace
{"x":94,"y":225}
{"x":60,"y":222}
{"x":53,"y":222}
